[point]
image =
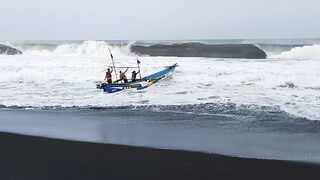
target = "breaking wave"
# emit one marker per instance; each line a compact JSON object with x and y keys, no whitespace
{"x":247,"y":51}
{"x":178,"y":49}
{"x":7,"y":50}
{"x":86,"y":48}
{"x":99,"y":48}
{"x":304,"y":52}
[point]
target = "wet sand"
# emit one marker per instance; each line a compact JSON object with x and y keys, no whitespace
{"x":28,"y":157}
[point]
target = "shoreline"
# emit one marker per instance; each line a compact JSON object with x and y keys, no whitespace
{"x":30,"y":157}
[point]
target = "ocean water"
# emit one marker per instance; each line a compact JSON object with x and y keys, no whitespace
{"x":64,"y":74}
{"x":276,"y":100}
{"x":260,"y":132}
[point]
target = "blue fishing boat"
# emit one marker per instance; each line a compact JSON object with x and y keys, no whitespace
{"x":139,"y":84}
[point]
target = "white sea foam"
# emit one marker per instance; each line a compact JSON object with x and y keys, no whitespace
{"x":65,"y":77}
{"x":304,"y":52}
{"x":87,"y":48}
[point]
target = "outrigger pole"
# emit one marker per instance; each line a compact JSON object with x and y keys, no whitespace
{"x":138,"y":62}
{"x":129,"y":67}
{"x":115,"y":71}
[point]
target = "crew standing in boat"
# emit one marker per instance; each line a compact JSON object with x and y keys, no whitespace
{"x":123,"y":76}
{"x":134,"y":76}
{"x":109,"y":76}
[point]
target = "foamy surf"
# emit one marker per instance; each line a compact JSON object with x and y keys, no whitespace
{"x":64,"y":75}
{"x":304,"y":52}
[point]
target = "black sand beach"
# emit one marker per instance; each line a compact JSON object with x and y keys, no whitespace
{"x":28,"y":157}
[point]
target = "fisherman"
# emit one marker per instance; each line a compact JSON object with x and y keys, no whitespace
{"x":134,"y":76}
{"x":109,"y":76}
{"x":123,"y":76}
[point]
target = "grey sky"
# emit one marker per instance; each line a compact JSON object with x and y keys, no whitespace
{"x":158,"y":19}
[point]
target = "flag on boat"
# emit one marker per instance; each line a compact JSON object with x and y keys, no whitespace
{"x":138,"y":61}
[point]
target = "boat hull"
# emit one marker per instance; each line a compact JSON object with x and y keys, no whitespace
{"x":139,"y":84}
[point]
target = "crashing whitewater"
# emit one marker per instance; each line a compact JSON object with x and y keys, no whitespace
{"x":64,"y":75}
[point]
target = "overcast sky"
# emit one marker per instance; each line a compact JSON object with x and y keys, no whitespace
{"x":158,"y":19}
